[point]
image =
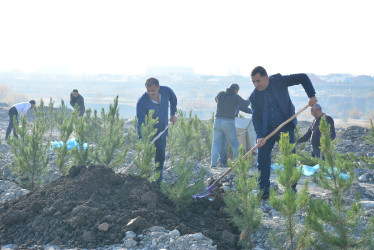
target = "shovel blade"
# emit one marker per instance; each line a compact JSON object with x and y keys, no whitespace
{"x":207,"y":192}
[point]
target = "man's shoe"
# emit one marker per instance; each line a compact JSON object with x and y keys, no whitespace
{"x":265,"y":197}
{"x":214,"y":167}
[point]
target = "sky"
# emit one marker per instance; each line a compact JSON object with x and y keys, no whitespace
{"x":213,"y":37}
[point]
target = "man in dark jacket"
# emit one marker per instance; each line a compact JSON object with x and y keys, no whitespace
{"x":313,"y":131}
{"x":224,"y":124}
{"x":223,"y":149}
{"x":76,"y":98}
{"x":271,"y":106}
{"x":157,"y":98}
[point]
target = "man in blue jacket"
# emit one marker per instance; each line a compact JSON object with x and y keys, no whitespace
{"x":157,"y":98}
{"x":271,"y":106}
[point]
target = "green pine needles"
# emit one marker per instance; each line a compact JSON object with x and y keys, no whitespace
{"x":110,"y":150}
{"x":182,"y":190}
{"x":337,"y":225}
{"x":66,"y":130}
{"x":291,"y":202}
{"x":30,"y":152}
{"x":144,"y":166}
{"x":243,"y":205}
{"x":79,"y":154}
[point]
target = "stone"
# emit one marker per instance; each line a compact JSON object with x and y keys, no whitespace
{"x":137,"y":223}
{"x":370,"y":154}
{"x":198,"y":236}
{"x":362,"y":178}
{"x":104,"y":227}
{"x":130,"y":243}
{"x":228,"y":237}
{"x":88,"y":237}
{"x":175,"y":232}
{"x":130,"y":235}
{"x":367,"y":204}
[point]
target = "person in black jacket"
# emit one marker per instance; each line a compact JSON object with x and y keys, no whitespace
{"x":76,"y":98}
{"x":314,"y":133}
{"x":224,"y":124}
{"x":271,"y":106}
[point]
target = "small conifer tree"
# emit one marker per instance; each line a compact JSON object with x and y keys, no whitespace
{"x":61,"y":114}
{"x":243,"y":204}
{"x":30,"y":153}
{"x":291,"y":202}
{"x":66,"y":130}
{"x":40,"y":112}
{"x":337,"y":226}
{"x":182,"y":190}
{"x":369,"y":139}
{"x":132,"y":134}
{"x":51,"y":117}
{"x":146,"y":150}
{"x":79,"y":154}
{"x":110,"y":149}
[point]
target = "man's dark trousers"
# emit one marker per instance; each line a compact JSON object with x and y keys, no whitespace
{"x":264,"y":160}
{"x":160,"y":144}
{"x":12,"y":112}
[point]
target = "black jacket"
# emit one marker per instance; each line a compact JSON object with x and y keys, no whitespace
{"x":78,"y":100}
{"x":227,"y":103}
{"x":314,"y":132}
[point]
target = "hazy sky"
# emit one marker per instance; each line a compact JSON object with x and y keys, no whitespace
{"x":213,"y":37}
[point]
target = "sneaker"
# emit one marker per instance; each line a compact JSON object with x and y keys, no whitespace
{"x":213,"y":166}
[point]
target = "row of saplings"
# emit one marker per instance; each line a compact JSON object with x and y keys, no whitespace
{"x":328,"y":224}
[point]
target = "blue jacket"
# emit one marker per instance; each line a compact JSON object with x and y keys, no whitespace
{"x":278,"y":84}
{"x":161,"y":110}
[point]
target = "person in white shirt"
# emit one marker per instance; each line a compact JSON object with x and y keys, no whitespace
{"x":15,"y":111}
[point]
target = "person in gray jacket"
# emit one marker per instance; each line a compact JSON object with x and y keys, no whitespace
{"x":76,"y":98}
{"x":224,"y":124}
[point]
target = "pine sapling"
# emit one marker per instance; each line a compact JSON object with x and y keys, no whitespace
{"x":51,"y":116}
{"x":337,"y":225}
{"x":30,"y":153}
{"x":291,"y":202}
{"x":61,"y":114}
{"x":110,"y":149}
{"x":144,"y":166}
{"x":187,"y":183}
{"x":79,"y":154}
{"x":243,"y":204}
{"x":66,"y":130}
{"x":132,"y":134}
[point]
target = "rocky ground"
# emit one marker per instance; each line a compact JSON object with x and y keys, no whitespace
{"x":95,"y":208}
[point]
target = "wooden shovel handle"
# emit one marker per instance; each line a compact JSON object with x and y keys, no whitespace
{"x":154,"y":139}
{"x":266,"y":138}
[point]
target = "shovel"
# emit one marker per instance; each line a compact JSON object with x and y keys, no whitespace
{"x":210,"y":188}
{"x":154,"y":139}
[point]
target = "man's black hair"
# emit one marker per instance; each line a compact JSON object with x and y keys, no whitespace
{"x":259,"y":70}
{"x":234,"y":87}
{"x":75,"y":90}
{"x":32,"y":102}
{"x":151,"y":81}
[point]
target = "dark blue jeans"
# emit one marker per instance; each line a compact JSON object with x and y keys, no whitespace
{"x":12,"y":112}
{"x":160,"y":144}
{"x":264,"y":160}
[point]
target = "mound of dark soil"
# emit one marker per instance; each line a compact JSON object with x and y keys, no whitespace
{"x":75,"y":211}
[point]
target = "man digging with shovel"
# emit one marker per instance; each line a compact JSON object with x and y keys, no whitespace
{"x":157,"y":98}
{"x":271,"y":106}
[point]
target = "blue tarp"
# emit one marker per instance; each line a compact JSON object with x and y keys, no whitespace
{"x":308,"y":170}
{"x":71,"y":143}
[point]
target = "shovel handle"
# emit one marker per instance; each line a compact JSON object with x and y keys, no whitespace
{"x":154,"y":139}
{"x":266,"y":138}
